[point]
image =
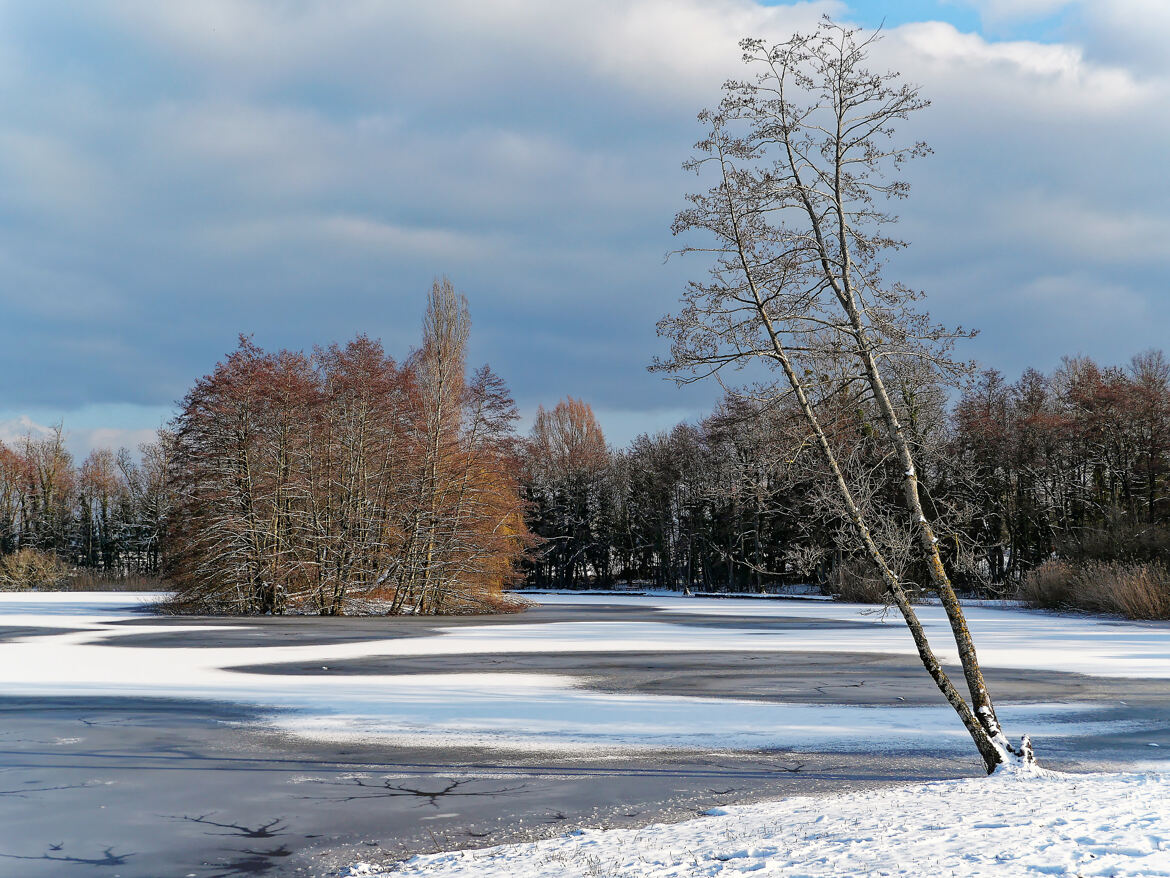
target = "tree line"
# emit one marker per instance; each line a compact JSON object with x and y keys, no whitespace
{"x":1074,"y":464}
{"x":109,"y":514}
{"x":305,"y":480}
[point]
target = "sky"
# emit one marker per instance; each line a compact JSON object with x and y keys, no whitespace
{"x":175,"y":174}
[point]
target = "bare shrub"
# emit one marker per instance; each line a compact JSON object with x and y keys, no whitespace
{"x":180,"y":603}
{"x":28,"y":569}
{"x":490,"y":602}
{"x":855,"y":581}
{"x":1136,"y":591}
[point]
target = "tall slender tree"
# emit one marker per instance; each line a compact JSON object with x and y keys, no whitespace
{"x":802,"y":154}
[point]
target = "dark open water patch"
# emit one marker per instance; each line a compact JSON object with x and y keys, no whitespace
{"x":260,"y":631}
{"x":850,"y":678}
{"x":14,"y":632}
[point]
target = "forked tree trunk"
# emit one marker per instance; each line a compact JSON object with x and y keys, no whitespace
{"x":989,"y":745}
{"x":990,"y":749}
{"x":842,"y":285}
{"x":837,"y":270}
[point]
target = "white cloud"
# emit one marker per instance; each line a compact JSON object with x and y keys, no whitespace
{"x":1064,"y":224}
{"x":14,"y":430}
{"x":49,"y":176}
{"x":79,"y":442}
{"x":1082,"y":299}
{"x":1011,"y":78}
{"x":1131,"y":32}
{"x":112,"y":438}
{"x":652,"y":46}
{"x":347,"y":231}
{"x":997,"y":11}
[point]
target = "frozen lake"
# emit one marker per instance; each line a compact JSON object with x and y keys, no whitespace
{"x":277,"y":745}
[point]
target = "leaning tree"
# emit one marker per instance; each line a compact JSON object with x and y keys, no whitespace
{"x":802,"y":157}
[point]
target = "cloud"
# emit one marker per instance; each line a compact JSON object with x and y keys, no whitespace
{"x":1131,"y":32}
{"x":301,"y":171}
{"x":353,"y":232}
{"x":1045,"y":81}
{"x":51,"y":178}
{"x":79,"y":441}
{"x":113,"y":438}
{"x":445,"y":48}
{"x":1060,"y":223}
{"x":998,"y":11}
{"x":15,"y":430}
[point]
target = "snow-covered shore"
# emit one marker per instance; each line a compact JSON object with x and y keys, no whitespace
{"x":1007,"y":825}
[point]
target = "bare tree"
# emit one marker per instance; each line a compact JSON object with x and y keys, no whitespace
{"x":50,"y":487}
{"x":440,"y":366}
{"x":12,"y":481}
{"x":567,"y":463}
{"x":802,"y":153}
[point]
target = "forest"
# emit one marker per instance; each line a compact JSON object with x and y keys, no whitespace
{"x":1067,"y":469}
{"x":291,"y":481}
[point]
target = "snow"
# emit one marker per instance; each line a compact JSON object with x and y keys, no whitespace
{"x":554,"y":712}
{"x":1005,"y":825}
{"x":541,"y":714}
{"x":1009,"y":824}
{"x":56,"y":608}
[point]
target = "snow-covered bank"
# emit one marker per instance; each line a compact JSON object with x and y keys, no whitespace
{"x":1009,"y":825}
{"x":60,"y":608}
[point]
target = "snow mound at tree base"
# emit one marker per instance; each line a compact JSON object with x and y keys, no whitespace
{"x":1012,"y":823}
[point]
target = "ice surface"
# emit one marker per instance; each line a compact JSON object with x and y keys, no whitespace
{"x":551,"y":712}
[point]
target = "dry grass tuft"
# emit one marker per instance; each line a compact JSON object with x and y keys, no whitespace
{"x":28,"y":569}
{"x":1134,"y":590}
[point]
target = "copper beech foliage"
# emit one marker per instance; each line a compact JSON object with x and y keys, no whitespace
{"x":306,"y":481}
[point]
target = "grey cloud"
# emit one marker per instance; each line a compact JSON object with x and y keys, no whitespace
{"x":301,"y":171}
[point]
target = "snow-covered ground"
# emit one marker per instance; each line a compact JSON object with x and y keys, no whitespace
{"x":554,"y":712}
{"x":1006,"y":825}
